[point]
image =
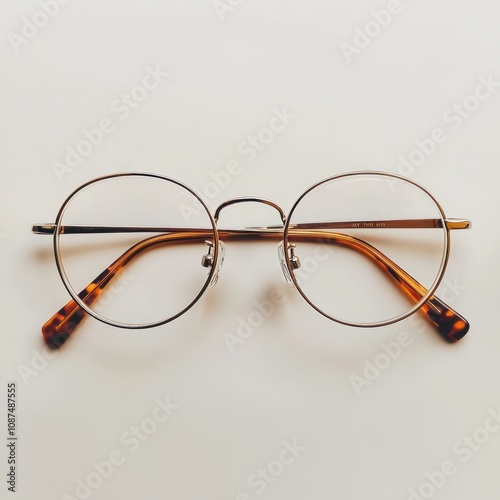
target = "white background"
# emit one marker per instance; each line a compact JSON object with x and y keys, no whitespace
{"x":292,"y":379}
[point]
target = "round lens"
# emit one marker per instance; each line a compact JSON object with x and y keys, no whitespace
{"x":371,"y":247}
{"x":130,"y":247}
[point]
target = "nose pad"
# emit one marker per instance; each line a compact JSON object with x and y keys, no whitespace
{"x":208,"y":260}
{"x":294,"y":260}
{"x":222,"y":254}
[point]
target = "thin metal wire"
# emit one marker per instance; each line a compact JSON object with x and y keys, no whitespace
{"x":281,"y":233}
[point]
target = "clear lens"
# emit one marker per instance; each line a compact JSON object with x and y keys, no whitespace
{"x":360,"y":261}
{"x":139,"y":277}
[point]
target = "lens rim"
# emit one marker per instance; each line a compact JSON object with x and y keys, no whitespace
{"x":431,"y":290}
{"x":74,"y":294}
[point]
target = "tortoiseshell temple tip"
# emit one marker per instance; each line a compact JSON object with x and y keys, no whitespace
{"x":449,"y":324}
{"x":58,"y":329}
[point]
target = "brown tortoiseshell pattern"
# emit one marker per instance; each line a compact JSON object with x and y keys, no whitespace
{"x":450,"y":325}
{"x":447,"y":322}
{"x":58,"y":328}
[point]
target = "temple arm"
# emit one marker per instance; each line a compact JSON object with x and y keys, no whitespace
{"x":447,"y":322}
{"x":451,"y":223}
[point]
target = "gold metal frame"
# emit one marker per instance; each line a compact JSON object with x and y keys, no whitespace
{"x":448,"y":323}
{"x":399,"y":274}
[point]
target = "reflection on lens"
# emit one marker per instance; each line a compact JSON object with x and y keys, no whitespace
{"x":129,"y":241}
{"x":370,"y":246}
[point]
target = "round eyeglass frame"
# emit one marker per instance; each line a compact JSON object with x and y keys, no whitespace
{"x":214,"y":267}
{"x":432,"y":288}
{"x":74,"y":294}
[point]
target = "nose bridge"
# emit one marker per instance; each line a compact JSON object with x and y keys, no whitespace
{"x":283,"y":255}
{"x":250,"y":199}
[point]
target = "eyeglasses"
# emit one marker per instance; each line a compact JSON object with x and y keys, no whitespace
{"x":364,"y":249}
